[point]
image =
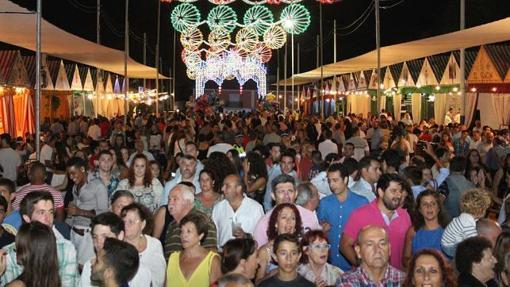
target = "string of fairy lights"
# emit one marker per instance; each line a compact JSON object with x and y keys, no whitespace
{"x":221,"y":56}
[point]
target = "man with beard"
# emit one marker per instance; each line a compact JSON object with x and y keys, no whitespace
{"x":188,"y":168}
{"x":386,"y":212}
{"x":115,"y":264}
{"x":373,"y":250}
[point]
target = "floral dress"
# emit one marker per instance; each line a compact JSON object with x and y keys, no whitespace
{"x":150,"y":196}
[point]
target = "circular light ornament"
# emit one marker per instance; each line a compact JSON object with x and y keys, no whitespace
{"x":191,"y":38}
{"x":295,"y":19}
{"x":255,"y":2}
{"x":192,"y":74}
{"x":247,"y":39}
{"x":191,"y":59}
{"x":222,"y":17}
{"x":258,"y":18}
{"x":275,"y":37}
{"x":263,"y":53}
{"x":183,"y":16}
{"x":219,"y":39}
{"x":221,"y":2}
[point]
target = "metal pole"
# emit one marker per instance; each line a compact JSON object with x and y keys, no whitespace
{"x":299,"y":94}
{"x":292,"y":67}
{"x":463,"y":64}
{"x":173,"y":72}
{"x":334,"y":41}
{"x":322,"y":61}
{"x":98,"y":41}
{"x":378,"y":48}
{"x":126,"y":55}
{"x":285,"y":77}
{"x":278,"y":75}
{"x":157,"y":58}
{"x":144,"y":59}
{"x":38,"y":81}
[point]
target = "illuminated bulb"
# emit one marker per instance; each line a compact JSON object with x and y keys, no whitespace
{"x":494,"y":89}
{"x":280,"y":96}
{"x":418,"y":86}
{"x":327,"y":100}
{"x":90,"y":96}
{"x":455,"y":89}
{"x":381,"y":86}
{"x":473,"y":89}
{"x":438,"y":88}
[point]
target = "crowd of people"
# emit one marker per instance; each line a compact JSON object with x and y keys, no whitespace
{"x":255,"y":199}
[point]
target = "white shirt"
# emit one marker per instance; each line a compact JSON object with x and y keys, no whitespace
{"x":46,"y":154}
{"x":94,"y":132}
{"x":142,"y":277}
{"x":247,"y":215}
{"x":220,"y":147}
{"x":326,"y":147}
{"x":172,"y":183}
{"x":363,"y":188}
{"x":9,"y":160}
{"x":152,"y":258}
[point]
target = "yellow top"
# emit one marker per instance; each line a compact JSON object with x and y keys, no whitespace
{"x":199,"y":278}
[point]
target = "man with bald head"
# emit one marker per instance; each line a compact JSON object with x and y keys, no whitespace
{"x":489,"y":229}
{"x":236,"y":215}
{"x":373,"y":251}
{"x":180,"y":204}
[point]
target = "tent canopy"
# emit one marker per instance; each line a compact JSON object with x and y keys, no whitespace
{"x":19,"y":29}
{"x":497,"y":31}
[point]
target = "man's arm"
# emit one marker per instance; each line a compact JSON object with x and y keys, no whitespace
{"x":347,"y":249}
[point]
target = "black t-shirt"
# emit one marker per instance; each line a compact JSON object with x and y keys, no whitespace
{"x":273,"y":281}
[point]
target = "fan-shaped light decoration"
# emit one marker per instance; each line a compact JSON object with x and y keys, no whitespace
{"x":184,"y":15}
{"x":191,"y":38}
{"x":247,"y":39}
{"x":275,"y":37}
{"x":295,"y":19}
{"x":263,"y":53}
{"x":243,"y":53}
{"x":255,"y":2}
{"x":192,"y":59}
{"x":258,"y":18}
{"x":222,"y":17}
{"x":219,"y":39}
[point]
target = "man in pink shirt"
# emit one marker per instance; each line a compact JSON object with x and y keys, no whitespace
{"x":384,"y":211}
{"x":284,"y":191}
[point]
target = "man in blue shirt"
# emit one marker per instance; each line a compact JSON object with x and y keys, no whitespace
{"x":334,"y":211}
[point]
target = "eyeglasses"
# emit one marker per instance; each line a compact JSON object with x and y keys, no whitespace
{"x":320,"y":246}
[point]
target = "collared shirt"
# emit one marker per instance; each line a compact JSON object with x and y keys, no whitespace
{"x":67,"y":264}
{"x":336,"y":214}
{"x":329,"y":274}
{"x":247,"y":215}
{"x":112,"y":185}
{"x":359,"y":278}
{"x":363,"y":188}
{"x":275,"y":171}
{"x":309,"y":219}
{"x":370,"y":214}
{"x":173,"y":236}
{"x":92,"y":196}
{"x":169,"y":185}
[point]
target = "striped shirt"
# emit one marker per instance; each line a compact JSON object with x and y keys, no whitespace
{"x":173,"y":236}
{"x":460,"y":228}
{"x":67,"y":264}
{"x":28,"y":188}
{"x":359,"y":278}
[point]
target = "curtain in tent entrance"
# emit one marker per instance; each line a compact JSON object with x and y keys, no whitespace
{"x":471,"y":99}
{"x":24,"y":114}
{"x":501,"y":106}
{"x":397,"y":106}
{"x":416,"y":107}
{"x":7,"y":114}
{"x":82,"y":105}
{"x":55,"y":105}
{"x":440,"y":108}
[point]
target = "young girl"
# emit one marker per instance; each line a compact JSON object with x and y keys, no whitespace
{"x":287,"y":253}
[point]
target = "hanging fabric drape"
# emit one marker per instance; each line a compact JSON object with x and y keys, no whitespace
{"x":7,"y":114}
{"x":416,"y":107}
{"x":397,"y":106}
{"x":440,"y":108}
{"x":382,"y":103}
{"x":501,"y":105}
{"x":358,"y":104}
{"x":470,"y":107}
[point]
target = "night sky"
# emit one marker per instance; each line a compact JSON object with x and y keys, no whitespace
{"x":407,"y":20}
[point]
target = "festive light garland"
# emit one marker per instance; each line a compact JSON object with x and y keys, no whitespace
{"x":244,"y":59}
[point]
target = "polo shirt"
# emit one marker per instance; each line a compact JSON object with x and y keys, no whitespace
{"x":336,"y":213}
{"x":370,"y":214}
{"x":247,"y":214}
{"x":364,"y":188}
